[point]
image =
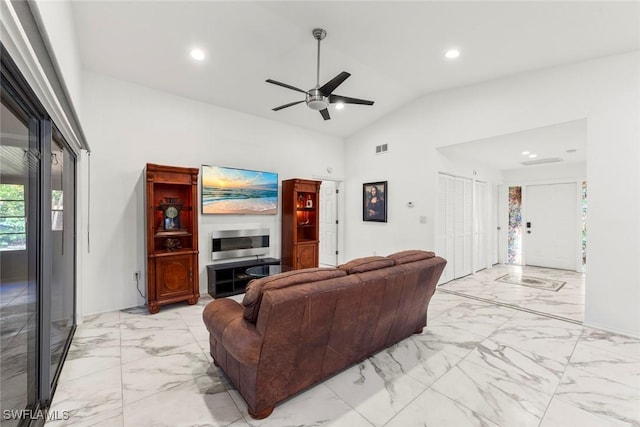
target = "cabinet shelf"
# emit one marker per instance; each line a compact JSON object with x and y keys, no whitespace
{"x":172,"y":253}
{"x":172,"y":233}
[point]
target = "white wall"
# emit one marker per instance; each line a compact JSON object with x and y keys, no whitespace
{"x":127,"y":126}
{"x":605,"y":92}
{"x":57,"y":18}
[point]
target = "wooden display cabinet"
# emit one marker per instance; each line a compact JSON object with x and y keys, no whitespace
{"x":172,"y":235}
{"x":300,"y":221}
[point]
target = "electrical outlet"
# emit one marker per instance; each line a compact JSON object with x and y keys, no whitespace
{"x":136,"y":276}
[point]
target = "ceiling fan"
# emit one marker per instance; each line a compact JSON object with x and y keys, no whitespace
{"x":320,"y":97}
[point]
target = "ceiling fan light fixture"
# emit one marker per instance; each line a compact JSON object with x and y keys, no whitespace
{"x":339,"y":105}
{"x":316,"y":100}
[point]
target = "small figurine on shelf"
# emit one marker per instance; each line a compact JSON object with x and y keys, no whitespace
{"x":309,"y":201}
{"x":300,"y":201}
{"x":172,"y":244}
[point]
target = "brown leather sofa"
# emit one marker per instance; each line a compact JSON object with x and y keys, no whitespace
{"x":295,"y":329}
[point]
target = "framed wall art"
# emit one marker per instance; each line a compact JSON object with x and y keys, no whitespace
{"x":374,"y":201}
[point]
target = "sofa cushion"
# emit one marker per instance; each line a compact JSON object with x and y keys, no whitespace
{"x":404,"y":257}
{"x":360,"y":265}
{"x":253,"y":292}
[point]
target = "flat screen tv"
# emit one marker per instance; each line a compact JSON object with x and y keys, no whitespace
{"x":238,"y":191}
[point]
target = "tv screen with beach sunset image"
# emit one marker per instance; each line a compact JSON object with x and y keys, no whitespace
{"x":238,"y":191}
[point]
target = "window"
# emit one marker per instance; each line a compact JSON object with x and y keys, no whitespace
{"x":514,"y":254}
{"x":57,"y":210}
{"x":13,"y":224}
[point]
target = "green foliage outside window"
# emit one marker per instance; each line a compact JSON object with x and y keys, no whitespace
{"x":13,"y":227}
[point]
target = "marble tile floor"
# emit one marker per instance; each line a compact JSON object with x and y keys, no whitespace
{"x":476,"y":364}
{"x":566,"y":304}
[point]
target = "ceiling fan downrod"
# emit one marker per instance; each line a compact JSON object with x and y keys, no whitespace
{"x":319,"y":34}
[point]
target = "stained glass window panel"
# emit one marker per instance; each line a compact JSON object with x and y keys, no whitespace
{"x":514,"y":252}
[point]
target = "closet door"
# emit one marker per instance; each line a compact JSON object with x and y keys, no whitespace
{"x":480,"y":226}
{"x":463,"y":226}
{"x":454,"y":226}
{"x":444,"y":225}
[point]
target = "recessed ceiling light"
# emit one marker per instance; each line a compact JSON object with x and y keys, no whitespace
{"x":533,"y":156}
{"x":524,"y":153}
{"x":339,"y":106}
{"x":197,"y":54}
{"x":452,"y":53}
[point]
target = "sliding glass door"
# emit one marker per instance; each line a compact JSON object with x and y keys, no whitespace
{"x":19,"y":256}
{"x":37,"y":252}
{"x":62,"y":286}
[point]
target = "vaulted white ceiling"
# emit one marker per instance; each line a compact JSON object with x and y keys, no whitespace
{"x":394,"y":50}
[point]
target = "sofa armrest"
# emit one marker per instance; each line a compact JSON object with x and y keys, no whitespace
{"x":218,"y":314}
{"x":224,"y":321}
{"x":242,"y":341}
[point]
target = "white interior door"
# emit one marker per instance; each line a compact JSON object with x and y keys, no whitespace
{"x":444,"y":225}
{"x":550,"y":225}
{"x":481,"y":226}
{"x":463,"y":226}
{"x":328,"y":223}
{"x":454,"y":226}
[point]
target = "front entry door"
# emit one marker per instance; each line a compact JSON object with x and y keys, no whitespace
{"x":550,"y":226}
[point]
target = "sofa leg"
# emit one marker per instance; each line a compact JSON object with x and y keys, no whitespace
{"x":419,"y":331}
{"x":261,"y":414}
{"x":215,"y":363}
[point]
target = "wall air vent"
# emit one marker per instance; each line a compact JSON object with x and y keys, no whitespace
{"x":381,"y":148}
{"x":542,"y":161}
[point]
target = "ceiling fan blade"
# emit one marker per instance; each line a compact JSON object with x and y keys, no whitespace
{"x":334,"y":83}
{"x":325,"y":114}
{"x":285,"y":85}
{"x":287,"y":105}
{"x":346,"y":100}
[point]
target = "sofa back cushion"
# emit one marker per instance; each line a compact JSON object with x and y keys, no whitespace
{"x":361,"y":265}
{"x":253,"y":293}
{"x":404,"y":257}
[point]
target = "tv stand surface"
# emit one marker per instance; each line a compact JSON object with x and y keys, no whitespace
{"x":226,"y":279}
